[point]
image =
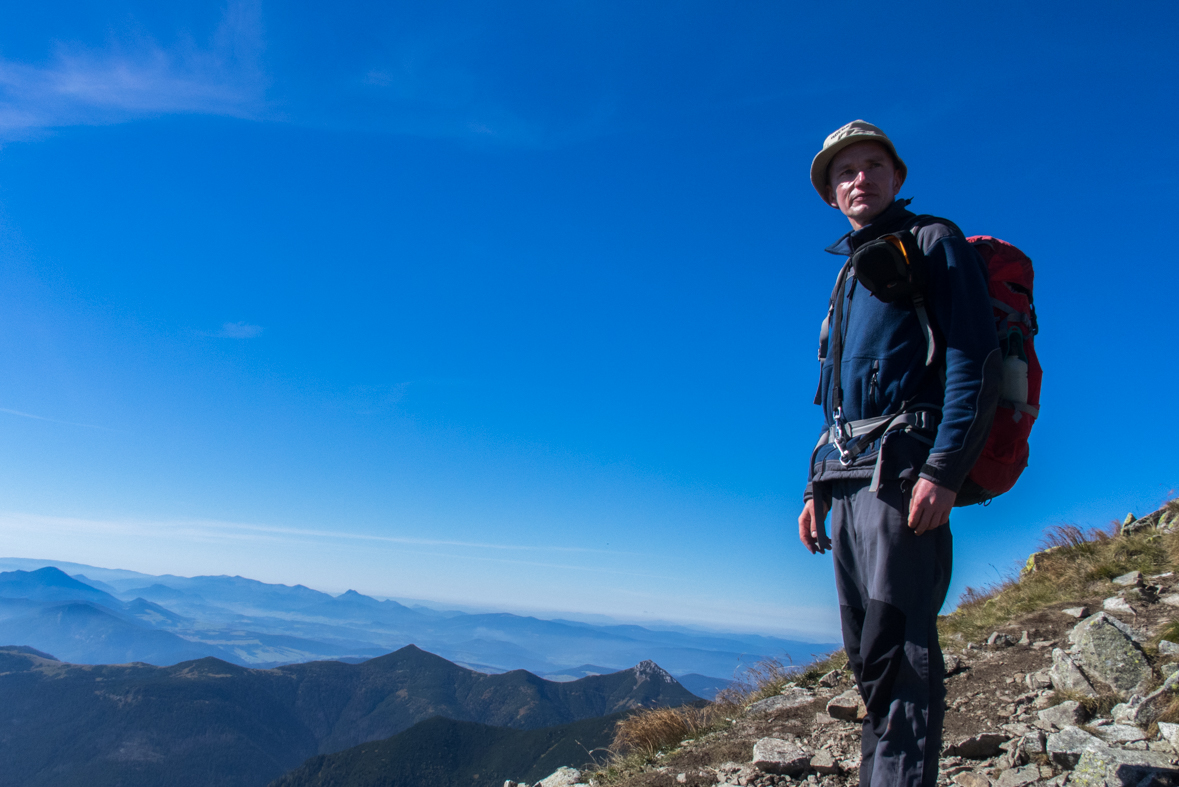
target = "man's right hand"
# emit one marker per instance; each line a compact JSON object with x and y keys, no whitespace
{"x":812,"y":530}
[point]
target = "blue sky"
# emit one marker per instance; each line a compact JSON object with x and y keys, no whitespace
{"x":516,"y":304}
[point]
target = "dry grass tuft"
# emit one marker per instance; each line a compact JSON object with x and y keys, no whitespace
{"x":649,"y":732}
{"x":1100,"y":705}
{"x":1170,"y":715}
{"x":761,"y":680}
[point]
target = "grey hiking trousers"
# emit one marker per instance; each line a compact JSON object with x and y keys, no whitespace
{"x":891,"y":584}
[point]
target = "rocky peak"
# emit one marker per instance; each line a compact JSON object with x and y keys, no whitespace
{"x":649,"y":670}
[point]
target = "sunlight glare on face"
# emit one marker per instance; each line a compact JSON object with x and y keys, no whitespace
{"x":864,"y":181}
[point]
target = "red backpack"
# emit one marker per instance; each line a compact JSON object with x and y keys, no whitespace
{"x":1009,"y":279}
{"x":891,"y":268}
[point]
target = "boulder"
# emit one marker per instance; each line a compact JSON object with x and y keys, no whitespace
{"x":774,"y":755}
{"x":1100,"y":766}
{"x":977,"y":747}
{"x":1148,"y":709}
{"x":1168,"y":648}
{"x":1119,"y":733}
{"x":1038,"y":681}
{"x":1066,"y":714}
{"x":1077,"y":612}
{"x":847,"y":706}
{"x":1000,"y":640}
{"x":954,"y":664}
{"x":1105,"y":649}
{"x":1118,"y":604}
{"x":1019,"y":777}
{"x":971,"y":779}
{"x":1169,"y":733}
{"x":790,"y":698}
{"x":824,"y":763}
{"x":831,"y":679}
{"x":1066,"y":676}
{"x":1131,"y":579}
{"x":562,"y":777}
{"x":1065,"y":747}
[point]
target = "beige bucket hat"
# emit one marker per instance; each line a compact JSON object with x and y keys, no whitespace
{"x":853,"y":132}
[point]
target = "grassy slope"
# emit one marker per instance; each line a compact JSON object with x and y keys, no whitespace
{"x":1075,"y":566}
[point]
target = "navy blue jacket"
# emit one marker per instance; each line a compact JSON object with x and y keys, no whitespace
{"x":884,"y":350}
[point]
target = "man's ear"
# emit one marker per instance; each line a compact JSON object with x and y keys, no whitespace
{"x":898,"y":179}
{"x":829,"y":197}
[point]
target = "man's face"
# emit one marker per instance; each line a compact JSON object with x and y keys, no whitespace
{"x":863,"y":182}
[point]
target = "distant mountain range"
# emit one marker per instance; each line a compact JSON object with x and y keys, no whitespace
{"x":90,"y":615}
{"x":210,"y":722}
{"x":441,"y":752}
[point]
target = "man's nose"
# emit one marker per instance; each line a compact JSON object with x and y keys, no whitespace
{"x":861,"y":177}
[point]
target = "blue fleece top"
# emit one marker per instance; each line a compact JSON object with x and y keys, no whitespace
{"x":883,"y":363}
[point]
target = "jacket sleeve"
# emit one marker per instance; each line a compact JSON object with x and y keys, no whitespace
{"x":961,"y":309}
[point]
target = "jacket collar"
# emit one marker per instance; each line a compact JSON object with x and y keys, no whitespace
{"x":895,"y":217}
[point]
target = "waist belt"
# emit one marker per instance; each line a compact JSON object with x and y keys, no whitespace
{"x":852,"y":438}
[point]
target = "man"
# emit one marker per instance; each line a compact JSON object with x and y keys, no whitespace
{"x":908,"y":389}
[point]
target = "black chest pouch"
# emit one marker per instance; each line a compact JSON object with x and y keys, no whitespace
{"x":889,"y":267}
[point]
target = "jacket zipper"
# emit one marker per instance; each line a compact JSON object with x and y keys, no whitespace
{"x":874,"y":389}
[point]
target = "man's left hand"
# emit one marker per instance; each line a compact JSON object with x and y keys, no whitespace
{"x":930,"y":506}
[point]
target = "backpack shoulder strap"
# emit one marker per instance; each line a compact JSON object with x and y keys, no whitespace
{"x":834,"y":317}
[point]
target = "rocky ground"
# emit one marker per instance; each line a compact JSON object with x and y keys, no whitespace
{"x":1080,"y":692}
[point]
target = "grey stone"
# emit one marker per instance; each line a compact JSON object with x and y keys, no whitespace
{"x":1066,"y":714}
{"x":1038,"y":681}
{"x":977,"y":747}
{"x":1077,"y":612}
{"x":971,"y":779}
{"x":1150,"y":707}
{"x":1127,"y":580}
{"x":1169,"y":733}
{"x":1065,"y":747}
{"x":1100,"y":766}
{"x":1168,"y":648}
{"x":999,"y":640}
{"x":1119,"y":733}
{"x":831,"y":679}
{"x":954,"y":664}
{"x":562,"y":777}
{"x":1066,"y":676}
{"x":1125,"y":712}
{"x":1118,"y":604}
{"x":1104,"y":648}
{"x":1035,"y":743}
{"x":824,"y":763}
{"x":847,"y":706}
{"x":1019,"y":777}
{"x":1171,"y":600}
{"x":774,"y":755}
{"x":790,"y":698}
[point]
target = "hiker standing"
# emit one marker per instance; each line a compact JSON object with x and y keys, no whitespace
{"x":910,"y":377}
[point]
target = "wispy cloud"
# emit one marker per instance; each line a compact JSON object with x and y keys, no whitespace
{"x":50,"y":420}
{"x":130,"y":79}
{"x":237,"y":330}
{"x":211,"y":531}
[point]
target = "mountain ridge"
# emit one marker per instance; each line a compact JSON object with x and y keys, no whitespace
{"x":138,"y":725}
